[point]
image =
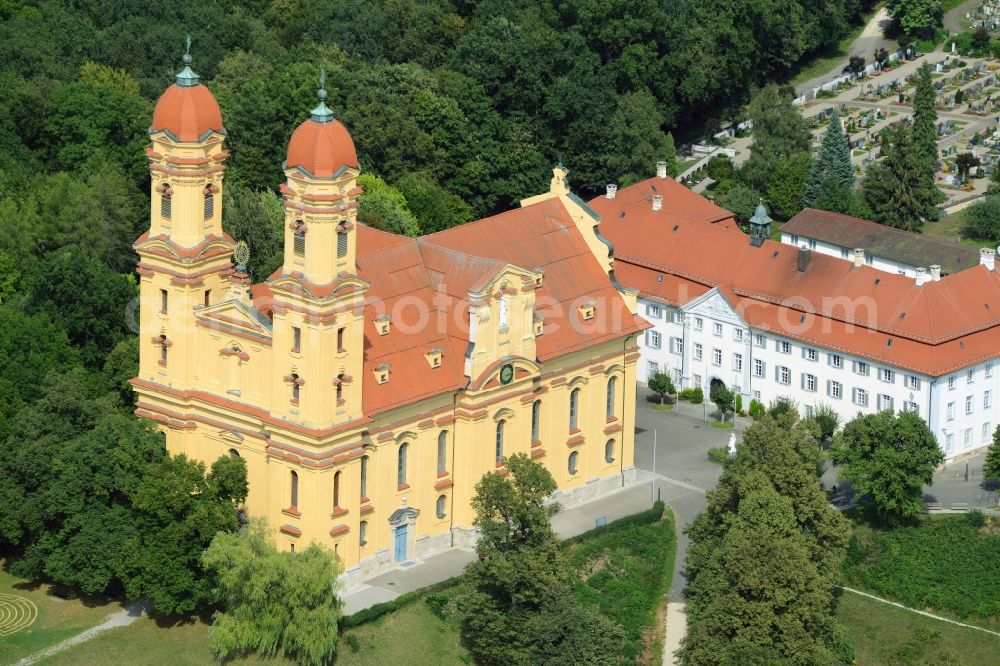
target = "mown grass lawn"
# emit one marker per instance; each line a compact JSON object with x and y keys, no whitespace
{"x":56,"y":621}
{"x":950,"y":227}
{"x":888,"y":636}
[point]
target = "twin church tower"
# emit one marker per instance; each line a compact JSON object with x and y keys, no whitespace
{"x":373,"y":379}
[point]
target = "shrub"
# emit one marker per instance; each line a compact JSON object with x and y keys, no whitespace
{"x":718,"y":454}
{"x":739,"y":403}
{"x":697,"y":396}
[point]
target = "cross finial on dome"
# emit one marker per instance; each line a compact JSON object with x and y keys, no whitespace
{"x":186,"y":77}
{"x":322,"y":113}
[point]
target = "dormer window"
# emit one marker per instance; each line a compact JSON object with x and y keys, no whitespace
{"x":434,"y":358}
{"x":587,"y":311}
{"x":538,"y":279}
{"x":382,"y":373}
{"x":382,"y":324}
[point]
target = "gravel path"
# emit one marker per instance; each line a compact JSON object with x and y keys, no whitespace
{"x":126,"y":616}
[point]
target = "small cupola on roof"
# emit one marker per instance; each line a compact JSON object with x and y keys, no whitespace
{"x":321,"y":146}
{"x":187,"y":111}
{"x":760,"y":226}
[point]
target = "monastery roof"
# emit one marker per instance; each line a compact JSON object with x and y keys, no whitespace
{"x":439,"y":271}
{"x":674,"y":256}
{"x":896,"y":245}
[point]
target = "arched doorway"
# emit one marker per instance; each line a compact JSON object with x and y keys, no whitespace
{"x":715,"y":384}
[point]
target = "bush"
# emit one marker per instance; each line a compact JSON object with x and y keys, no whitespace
{"x":697,"y":396}
{"x":739,"y":403}
{"x":378,"y":610}
{"x":718,"y":454}
{"x":943,"y":562}
{"x":982,"y":219}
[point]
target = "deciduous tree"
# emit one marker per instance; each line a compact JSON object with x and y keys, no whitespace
{"x":991,"y":466}
{"x":888,"y":459}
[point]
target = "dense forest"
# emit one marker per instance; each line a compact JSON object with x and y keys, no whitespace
{"x":458,"y":110}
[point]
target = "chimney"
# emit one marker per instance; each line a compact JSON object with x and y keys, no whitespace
{"x":988,"y":258}
{"x":921,"y":276}
{"x":935,"y":273}
{"x":661,"y":170}
{"x":859,"y":257}
{"x":657,"y":201}
{"x":612,"y":191}
{"x":803,"y":259}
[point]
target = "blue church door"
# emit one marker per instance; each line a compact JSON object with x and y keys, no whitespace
{"x":401,"y":543}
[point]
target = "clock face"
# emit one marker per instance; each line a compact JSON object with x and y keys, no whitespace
{"x":506,"y":374}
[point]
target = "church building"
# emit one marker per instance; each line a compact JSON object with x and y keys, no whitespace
{"x":373,"y":379}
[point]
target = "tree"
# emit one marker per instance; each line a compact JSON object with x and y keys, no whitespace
{"x":662,"y":384}
{"x":980,"y":38}
{"x":84,"y":297}
{"x":881,"y":57}
{"x":258,"y":219}
{"x":925,"y":122}
{"x":836,"y":198}
{"x":855,"y":66}
{"x":741,"y":201}
{"x":181,"y":510}
{"x":888,"y":459}
{"x":828,"y":420}
{"x":435,"y":208}
{"x":991,"y":466}
{"x":272,"y":601}
{"x":788,"y":184}
{"x":120,"y":366}
{"x":764,"y":556}
{"x":963,"y":165}
{"x":518,"y":607}
{"x":779,"y":132}
{"x":832,"y":162}
{"x":982,"y":219}
{"x":723,"y":399}
{"x":384,"y":207}
{"x":898,"y":189}
{"x":917,"y":18}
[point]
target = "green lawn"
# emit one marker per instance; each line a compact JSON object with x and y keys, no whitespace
{"x":722,"y":425}
{"x":830,"y":58}
{"x":57,"y":619}
{"x":890,"y":636}
{"x":950,"y":227}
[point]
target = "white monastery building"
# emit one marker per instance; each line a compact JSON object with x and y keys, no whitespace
{"x":772,"y":320}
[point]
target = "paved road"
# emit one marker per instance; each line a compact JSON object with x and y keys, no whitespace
{"x":870,"y":40}
{"x":951,"y":19}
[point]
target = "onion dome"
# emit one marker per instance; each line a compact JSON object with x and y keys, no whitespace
{"x":187,"y":110}
{"x":321,"y":146}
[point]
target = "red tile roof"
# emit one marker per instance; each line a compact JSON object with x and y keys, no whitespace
{"x":674,"y":255}
{"x":438,"y":271}
{"x":187,"y":112}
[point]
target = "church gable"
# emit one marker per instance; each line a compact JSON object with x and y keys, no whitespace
{"x":235,"y":318}
{"x":714,"y":305}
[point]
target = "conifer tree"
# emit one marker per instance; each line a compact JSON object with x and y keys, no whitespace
{"x":925,"y":118}
{"x":899,"y":190}
{"x":833,"y":162}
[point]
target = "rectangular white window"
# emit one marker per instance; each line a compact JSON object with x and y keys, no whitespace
{"x":834,"y":389}
{"x":696,"y":380}
{"x":653,"y":339}
{"x":784,"y":346}
{"x":913,"y":382}
{"x":986,"y":431}
{"x":652,"y":367}
{"x":911,"y":407}
{"x":759,"y":339}
{"x":836,"y":360}
{"x":860,"y":397}
{"x":969,"y":404}
{"x":738,"y":362}
{"x":809,"y":382}
{"x":988,"y":368}
{"x":861,"y":368}
{"x":699,"y":323}
{"x":653,"y":311}
{"x":756,"y":395}
{"x":717,"y":329}
{"x":810,"y":411}
{"x":716,"y":357}
{"x":950,"y":411}
{"x":970,"y":376}
{"x":886,"y":375}
{"x":738,"y":334}
{"x":987,"y":399}
{"x":678,"y":317}
{"x":968,"y":437}
{"x":782,"y":375}
{"x":676,"y":346}
{"x":758,"y":368}
{"x":809,"y":354}
{"x":951,"y":383}
{"x":884,"y":402}
{"x":698,"y":351}
{"x":949,"y":442}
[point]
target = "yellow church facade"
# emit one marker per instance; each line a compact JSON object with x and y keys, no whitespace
{"x":373,"y":379}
